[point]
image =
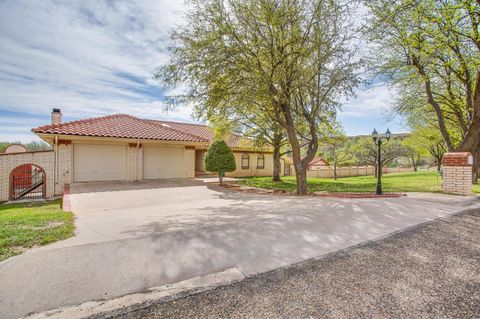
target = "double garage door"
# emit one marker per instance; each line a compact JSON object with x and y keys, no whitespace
{"x":96,"y":162}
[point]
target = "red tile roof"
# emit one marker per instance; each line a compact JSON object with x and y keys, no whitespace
{"x":121,"y":126}
{"x":205,"y":132}
{"x":126,"y":126}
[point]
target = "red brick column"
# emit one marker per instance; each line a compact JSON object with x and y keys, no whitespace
{"x":457,"y":173}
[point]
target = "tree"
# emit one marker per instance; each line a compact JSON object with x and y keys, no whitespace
{"x":414,"y":150}
{"x":264,"y":131}
{"x":38,"y":146}
{"x":260,"y":129}
{"x":426,"y":140}
{"x":271,"y":133}
{"x":3,"y":146}
{"x":285,"y":63}
{"x":336,"y":149}
{"x":430,"y":50}
{"x":365,"y":152}
{"x":219,"y":159}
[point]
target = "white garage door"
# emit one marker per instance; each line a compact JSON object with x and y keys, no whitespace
{"x":163,"y":162}
{"x":96,"y":162}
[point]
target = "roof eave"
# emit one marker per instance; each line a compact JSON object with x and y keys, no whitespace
{"x":49,"y":137}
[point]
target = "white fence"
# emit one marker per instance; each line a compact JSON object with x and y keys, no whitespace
{"x":327,"y":172}
{"x":351,"y":171}
{"x":397,"y":169}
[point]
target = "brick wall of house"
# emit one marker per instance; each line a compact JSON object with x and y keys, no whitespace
{"x":64,"y":166}
{"x":131,"y":162}
{"x":189,"y":161}
{"x":8,"y":162}
{"x":457,"y":173}
{"x":252,"y":169}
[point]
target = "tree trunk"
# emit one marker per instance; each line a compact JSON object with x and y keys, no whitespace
{"x":471,"y":141}
{"x":300,"y":164}
{"x":300,"y":170}
{"x":301,"y":178}
{"x":277,"y":165}
{"x":220,"y":178}
{"x":431,"y":100}
{"x":439,"y":164}
{"x":335,"y":171}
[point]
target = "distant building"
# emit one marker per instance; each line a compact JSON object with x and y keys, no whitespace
{"x":315,"y":164}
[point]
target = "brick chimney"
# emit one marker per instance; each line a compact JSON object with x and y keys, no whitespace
{"x":56,"y":116}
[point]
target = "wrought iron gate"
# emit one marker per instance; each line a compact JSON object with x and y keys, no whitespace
{"x":27,"y":182}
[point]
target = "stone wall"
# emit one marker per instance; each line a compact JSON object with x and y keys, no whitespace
{"x":457,"y":173}
{"x":43,"y":159}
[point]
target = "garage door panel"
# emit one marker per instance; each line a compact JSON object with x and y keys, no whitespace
{"x":94,"y":162}
{"x":163,"y":162}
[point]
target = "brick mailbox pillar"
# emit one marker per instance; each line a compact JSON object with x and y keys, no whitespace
{"x":457,"y":173}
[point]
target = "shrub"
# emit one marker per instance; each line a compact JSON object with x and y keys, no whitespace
{"x":219,"y":159}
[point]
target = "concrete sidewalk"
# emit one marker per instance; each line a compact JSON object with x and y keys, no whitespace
{"x":272,"y":232}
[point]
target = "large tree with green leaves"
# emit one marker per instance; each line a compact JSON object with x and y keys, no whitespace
{"x":430,"y":50}
{"x":282,"y":61}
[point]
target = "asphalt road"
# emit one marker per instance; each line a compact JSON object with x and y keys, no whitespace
{"x":428,"y":271}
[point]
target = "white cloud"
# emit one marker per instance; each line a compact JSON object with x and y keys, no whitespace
{"x":87,"y":57}
{"x":374,"y":100}
{"x":96,"y":57}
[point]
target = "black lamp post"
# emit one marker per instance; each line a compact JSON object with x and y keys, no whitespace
{"x":378,"y":141}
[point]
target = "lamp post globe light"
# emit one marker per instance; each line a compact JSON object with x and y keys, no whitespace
{"x":378,"y":141}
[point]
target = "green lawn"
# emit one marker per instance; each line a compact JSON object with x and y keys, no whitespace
{"x":25,"y":225}
{"x":394,"y":182}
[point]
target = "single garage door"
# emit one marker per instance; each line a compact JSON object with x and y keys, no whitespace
{"x":163,"y":162}
{"x":96,"y":162}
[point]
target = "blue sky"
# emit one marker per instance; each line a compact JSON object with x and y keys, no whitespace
{"x":92,"y":58}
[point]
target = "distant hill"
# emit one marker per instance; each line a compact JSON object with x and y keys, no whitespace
{"x":394,"y":135}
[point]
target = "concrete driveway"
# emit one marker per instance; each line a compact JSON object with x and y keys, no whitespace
{"x":133,"y":236}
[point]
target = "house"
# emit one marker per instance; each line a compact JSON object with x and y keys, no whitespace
{"x":317,"y":163}
{"x":122,"y":148}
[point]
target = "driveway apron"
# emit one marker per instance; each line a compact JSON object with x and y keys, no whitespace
{"x":133,"y":236}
